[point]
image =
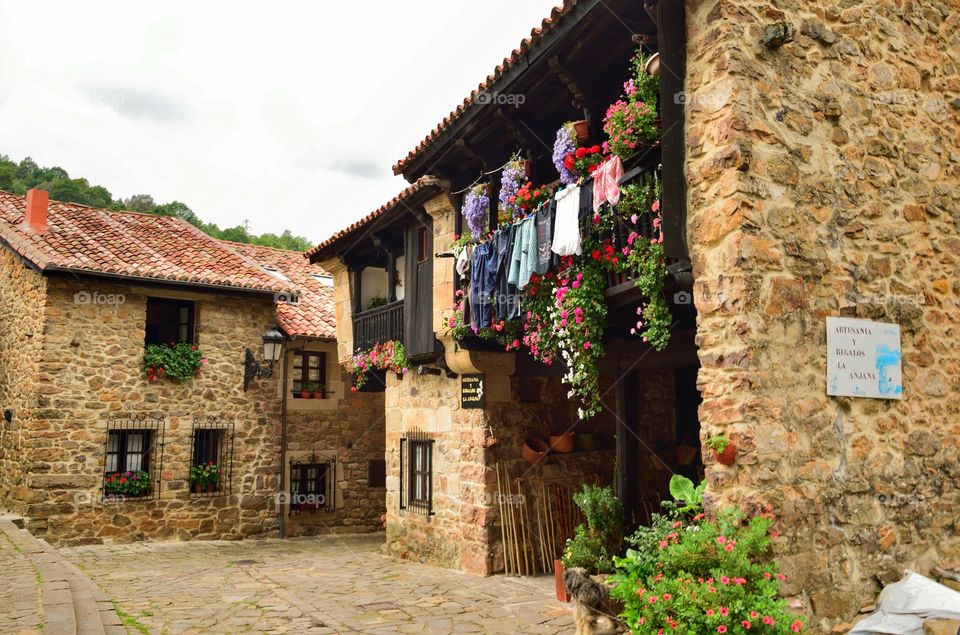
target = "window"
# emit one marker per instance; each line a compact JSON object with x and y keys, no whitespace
{"x":276,"y":273}
{"x":312,"y":486}
{"x":416,"y":473}
{"x":132,"y":458}
{"x":325,"y":281}
{"x":211,"y":458}
{"x":376,"y":473}
{"x":128,"y":451}
{"x":309,"y":374}
{"x":423,"y":246}
{"x":169,"y":321}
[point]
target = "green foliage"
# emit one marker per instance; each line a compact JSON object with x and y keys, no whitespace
{"x":376,"y":302}
{"x":176,"y":361}
{"x":703,"y":576}
{"x":126,"y":483}
{"x":595,"y":543}
{"x":647,"y":86}
{"x":20,"y":177}
{"x":718,"y":443}
{"x":205,"y":474}
{"x":687,"y":497}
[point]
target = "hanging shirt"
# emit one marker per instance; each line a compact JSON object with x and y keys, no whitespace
{"x":483,"y":273}
{"x":566,"y":233}
{"x":524,"y":252}
{"x":544,"y":236}
{"x":508,"y":300}
{"x":606,"y":182}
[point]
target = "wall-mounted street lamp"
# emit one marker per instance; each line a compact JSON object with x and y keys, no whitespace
{"x":272,"y":343}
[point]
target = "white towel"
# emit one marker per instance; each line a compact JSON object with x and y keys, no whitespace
{"x":566,"y":232}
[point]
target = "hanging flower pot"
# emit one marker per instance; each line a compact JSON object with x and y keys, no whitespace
{"x":723,"y":449}
{"x":653,"y":65}
{"x":490,"y":439}
{"x":534,"y":450}
{"x":582,"y":130}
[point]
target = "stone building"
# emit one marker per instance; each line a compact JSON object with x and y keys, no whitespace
{"x":82,"y":291}
{"x":810,"y":164}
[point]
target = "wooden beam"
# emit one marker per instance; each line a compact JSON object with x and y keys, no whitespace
{"x":627,"y":440}
{"x":579,"y":97}
{"x":391,"y":277}
{"x":521,"y":136}
{"x":671,"y":20}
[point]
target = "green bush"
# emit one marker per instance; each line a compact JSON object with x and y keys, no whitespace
{"x":176,"y":361}
{"x":595,"y":543}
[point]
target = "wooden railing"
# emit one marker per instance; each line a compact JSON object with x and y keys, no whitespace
{"x":378,"y":325}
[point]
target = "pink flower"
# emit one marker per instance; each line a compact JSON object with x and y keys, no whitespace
{"x":775,"y":533}
{"x":667,"y":596}
{"x":796,"y":626}
{"x":586,"y":345}
{"x":729,"y":546}
{"x":633,"y":331}
{"x":721,"y":629}
{"x":724,"y":611}
{"x":656,"y":206}
{"x":203,"y":360}
{"x":634,"y":219}
{"x":652,"y":599}
{"x":575,"y":284}
{"x":745,"y":624}
{"x":769,"y":621}
{"x":724,"y":580}
{"x":663,"y":544}
{"x":781,"y":577}
{"x":710,"y":612}
{"x":721,"y":540}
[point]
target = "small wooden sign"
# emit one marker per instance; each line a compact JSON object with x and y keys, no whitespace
{"x":863,"y":359}
{"x":472,"y":393}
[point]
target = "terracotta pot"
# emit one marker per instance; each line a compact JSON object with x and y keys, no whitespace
{"x":582,"y":129}
{"x":687,"y":454}
{"x":653,"y":65}
{"x":587,"y":441}
{"x":318,"y":394}
{"x":534,"y":450}
{"x":528,"y":168}
{"x":561,"y":443}
{"x":561,"y":588}
{"x":728,"y":456}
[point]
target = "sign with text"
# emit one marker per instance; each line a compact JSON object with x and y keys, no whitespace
{"x":471,"y":391}
{"x":863,"y":359}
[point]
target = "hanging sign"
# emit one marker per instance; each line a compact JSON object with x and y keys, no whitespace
{"x":863,"y":359}
{"x":472,"y":391}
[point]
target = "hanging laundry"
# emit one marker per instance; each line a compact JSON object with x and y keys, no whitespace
{"x":606,"y":182}
{"x":566,"y":234}
{"x":483,"y":275}
{"x":524,"y":252}
{"x":508,"y":300}
{"x":544,"y":236}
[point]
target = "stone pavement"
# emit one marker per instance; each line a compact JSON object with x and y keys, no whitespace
{"x":326,"y":584}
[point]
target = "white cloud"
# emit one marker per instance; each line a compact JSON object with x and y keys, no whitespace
{"x":288,"y":115}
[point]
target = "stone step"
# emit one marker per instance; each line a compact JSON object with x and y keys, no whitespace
{"x":71,"y":602}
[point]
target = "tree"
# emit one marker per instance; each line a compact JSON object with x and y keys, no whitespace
{"x":140,"y":203}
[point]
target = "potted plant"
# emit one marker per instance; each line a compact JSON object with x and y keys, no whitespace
{"x":205,"y":477}
{"x":319,"y":391}
{"x":632,"y":121}
{"x":581,"y":129}
{"x":562,"y":443}
{"x":309,"y":389}
{"x":129,"y":484}
{"x":723,"y":450}
{"x":180,"y":362}
{"x":597,"y":541}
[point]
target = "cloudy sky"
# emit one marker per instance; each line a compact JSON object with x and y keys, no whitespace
{"x":288,"y":115}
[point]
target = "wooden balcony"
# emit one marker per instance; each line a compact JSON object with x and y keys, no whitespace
{"x":382,"y":324}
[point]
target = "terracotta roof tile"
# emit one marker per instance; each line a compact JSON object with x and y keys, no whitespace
{"x":548,"y":23}
{"x":129,"y":244}
{"x":313,"y":315}
{"x":420,"y":184}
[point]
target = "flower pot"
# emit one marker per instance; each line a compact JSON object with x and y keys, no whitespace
{"x":561,"y":588}
{"x":534,"y":450}
{"x":582,"y":130}
{"x":586,"y":441}
{"x":728,"y":456}
{"x":300,"y":394}
{"x":687,"y":454}
{"x":319,"y":394}
{"x":528,"y":169}
{"x":653,"y":65}
{"x":561,"y":443}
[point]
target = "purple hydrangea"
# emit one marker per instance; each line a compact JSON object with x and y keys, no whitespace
{"x":511,"y":181}
{"x":476,"y":205}
{"x":564,"y":145}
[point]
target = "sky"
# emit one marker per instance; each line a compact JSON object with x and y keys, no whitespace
{"x":287,"y":115}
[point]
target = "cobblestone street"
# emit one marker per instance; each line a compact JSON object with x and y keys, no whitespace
{"x":330,"y":584}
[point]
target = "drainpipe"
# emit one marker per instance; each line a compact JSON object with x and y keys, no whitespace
{"x":282,"y":496}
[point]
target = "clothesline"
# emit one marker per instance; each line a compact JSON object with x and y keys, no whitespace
{"x":484,"y":174}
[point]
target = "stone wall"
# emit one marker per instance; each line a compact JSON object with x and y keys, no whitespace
{"x":22,"y":308}
{"x":349,"y":428}
{"x":824,"y":179}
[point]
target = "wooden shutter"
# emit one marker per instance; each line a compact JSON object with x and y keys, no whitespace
{"x":418,"y":284}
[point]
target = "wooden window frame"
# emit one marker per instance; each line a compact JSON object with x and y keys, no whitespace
{"x":299,"y":376}
{"x":222,"y":431}
{"x":186,"y":329}
{"x":304,"y":489}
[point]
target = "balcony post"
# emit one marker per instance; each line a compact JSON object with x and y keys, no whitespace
{"x":391,"y":278}
{"x":357,"y":280}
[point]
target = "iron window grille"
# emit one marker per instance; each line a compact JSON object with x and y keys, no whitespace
{"x":133,"y":452}
{"x":416,"y":473}
{"x":312,"y":485}
{"x":211,"y":443}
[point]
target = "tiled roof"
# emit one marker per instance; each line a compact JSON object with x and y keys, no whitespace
{"x":535,"y":35}
{"x":129,"y":244}
{"x":420,"y":184}
{"x":313,"y":315}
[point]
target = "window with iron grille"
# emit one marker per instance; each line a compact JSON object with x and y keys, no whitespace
{"x":309,"y":375}
{"x":211,"y":456}
{"x":169,"y":321}
{"x":416,"y":473}
{"x":312,"y":485}
{"x":132,"y":458}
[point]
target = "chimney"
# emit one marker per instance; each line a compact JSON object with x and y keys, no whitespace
{"x":37,"y":202}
